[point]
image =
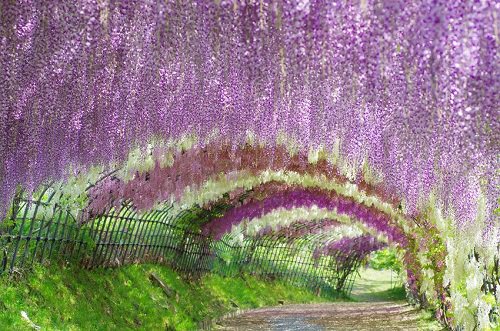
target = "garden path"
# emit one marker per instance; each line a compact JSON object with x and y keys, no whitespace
{"x":375,"y":307}
{"x":395,"y":315}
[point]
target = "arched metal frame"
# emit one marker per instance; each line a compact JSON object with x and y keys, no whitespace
{"x":124,"y":236}
{"x":292,"y":259}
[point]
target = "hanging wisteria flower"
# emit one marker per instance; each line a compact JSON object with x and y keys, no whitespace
{"x":349,"y":248}
{"x":296,"y":198}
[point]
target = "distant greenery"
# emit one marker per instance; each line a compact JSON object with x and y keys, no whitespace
{"x":377,"y":286}
{"x":69,"y":298}
{"x":386,"y":259}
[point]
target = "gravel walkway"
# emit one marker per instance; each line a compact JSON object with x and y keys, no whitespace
{"x":330,"y":316}
{"x":374,"y":308}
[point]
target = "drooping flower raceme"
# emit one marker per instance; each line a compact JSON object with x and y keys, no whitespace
{"x":298,"y":229}
{"x":306,"y":198}
{"x":348,"y":248}
{"x":409,"y":87}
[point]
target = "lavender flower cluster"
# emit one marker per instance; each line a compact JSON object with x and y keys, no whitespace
{"x":198,"y":165}
{"x":305,"y":198}
{"x":409,"y":86}
{"x":298,"y":229}
{"x":349,"y":248}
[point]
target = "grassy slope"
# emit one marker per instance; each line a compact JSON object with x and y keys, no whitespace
{"x":58,"y":298}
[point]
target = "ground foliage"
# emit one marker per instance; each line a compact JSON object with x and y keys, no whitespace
{"x":60,"y":298}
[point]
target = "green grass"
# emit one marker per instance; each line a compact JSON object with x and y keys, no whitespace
{"x":68,"y":298}
{"x":378,"y":285}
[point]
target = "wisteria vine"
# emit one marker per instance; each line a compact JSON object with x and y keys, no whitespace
{"x":348,"y":248}
{"x":305,"y":198}
{"x":411,"y":87}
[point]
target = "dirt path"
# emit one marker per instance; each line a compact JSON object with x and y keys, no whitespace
{"x":331,"y":316}
{"x":376,"y":307}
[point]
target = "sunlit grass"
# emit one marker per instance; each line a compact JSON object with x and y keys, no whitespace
{"x":381,"y":285}
{"x":70,"y":298}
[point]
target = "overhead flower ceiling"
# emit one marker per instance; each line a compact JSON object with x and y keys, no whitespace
{"x":410,"y":88}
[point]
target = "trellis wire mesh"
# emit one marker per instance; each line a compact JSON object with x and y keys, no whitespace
{"x":123,"y":237}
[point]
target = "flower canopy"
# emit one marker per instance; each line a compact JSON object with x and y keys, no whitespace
{"x":410,"y":88}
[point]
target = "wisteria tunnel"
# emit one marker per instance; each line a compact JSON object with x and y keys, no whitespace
{"x":287,"y":140}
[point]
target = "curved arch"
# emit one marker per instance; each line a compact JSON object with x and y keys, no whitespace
{"x":190,"y":169}
{"x":296,"y":198}
{"x":299,"y":228}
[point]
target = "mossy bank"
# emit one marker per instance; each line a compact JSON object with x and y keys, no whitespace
{"x":130,"y":297}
